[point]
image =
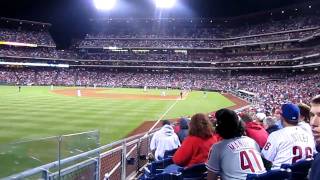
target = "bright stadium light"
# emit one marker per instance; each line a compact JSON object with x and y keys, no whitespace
{"x":104,"y":4}
{"x":165,"y":4}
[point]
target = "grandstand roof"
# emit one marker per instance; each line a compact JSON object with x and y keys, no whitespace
{"x":24,"y":21}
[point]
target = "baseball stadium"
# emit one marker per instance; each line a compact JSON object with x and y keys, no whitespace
{"x":160,"y":89}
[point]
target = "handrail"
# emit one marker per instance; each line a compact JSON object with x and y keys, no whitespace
{"x":69,"y":159}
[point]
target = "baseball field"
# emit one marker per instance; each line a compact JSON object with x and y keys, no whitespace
{"x":40,"y":112}
{"x":37,"y":112}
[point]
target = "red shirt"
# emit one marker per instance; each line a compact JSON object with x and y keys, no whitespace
{"x":194,"y":150}
{"x":257,"y":132}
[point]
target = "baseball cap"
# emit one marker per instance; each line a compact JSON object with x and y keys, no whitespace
{"x":290,"y":112}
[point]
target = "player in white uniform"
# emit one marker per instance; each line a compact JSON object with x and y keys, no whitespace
{"x":236,"y":156}
{"x":290,"y":144}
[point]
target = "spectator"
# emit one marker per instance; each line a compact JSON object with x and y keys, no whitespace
{"x":184,"y":128}
{"x":255,"y":130}
{"x":305,"y":117}
{"x":271,"y":126}
{"x":315,"y":124}
{"x":260,"y":117}
{"x":277,"y":115}
{"x":163,"y":140}
{"x":224,"y":158}
{"x":196,"y":145}
{"x":290,"y":144}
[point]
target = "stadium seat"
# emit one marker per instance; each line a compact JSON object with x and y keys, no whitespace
{"x":272,"y":174}
{"x":169,"y":153}
{"x":299,"y":169}
{"x":163,"y":176}
{"x":143,"y":157}
{"x":156,"y":167}
{"x":195,"y":172}
{"x":130,"y":161}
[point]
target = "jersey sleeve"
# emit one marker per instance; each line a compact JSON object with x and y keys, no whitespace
{"x":269,"y":150}
{"x":213,"y":163}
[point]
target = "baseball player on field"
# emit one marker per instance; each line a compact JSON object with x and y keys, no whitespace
{"x":290,"y":144}
{"x":236,"y":155}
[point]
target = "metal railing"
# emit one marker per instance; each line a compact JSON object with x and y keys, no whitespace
{"x":117,"y":160}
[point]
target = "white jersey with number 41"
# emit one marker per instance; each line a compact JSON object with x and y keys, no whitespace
{"x":235,"y":158}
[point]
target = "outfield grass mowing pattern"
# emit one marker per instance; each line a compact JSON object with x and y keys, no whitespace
{"x":35,"y":112}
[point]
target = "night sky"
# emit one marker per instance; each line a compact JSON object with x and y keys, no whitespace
{"x":70,"y":18}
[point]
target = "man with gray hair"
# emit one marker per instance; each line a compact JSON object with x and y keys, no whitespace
{"x":271,"y":124}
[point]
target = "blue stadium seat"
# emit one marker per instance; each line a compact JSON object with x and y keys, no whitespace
{"x":195,"y":172}
{"x":163,"y":176}
{"x":299,"y":169}
{"x":156,"y":167}
{"x":169,"y":153}
{"x":130,"y":161}
{"x":279,"y":174}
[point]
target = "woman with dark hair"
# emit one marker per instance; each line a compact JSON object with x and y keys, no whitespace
{"x":236,"y":155}
{"x":196,"y":145}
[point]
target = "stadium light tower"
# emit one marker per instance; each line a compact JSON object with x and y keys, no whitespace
{"x":104,"y":4}
{"x":165,"y":4}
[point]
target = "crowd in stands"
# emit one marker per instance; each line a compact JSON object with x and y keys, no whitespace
{"x":192,"y":43}
{"x":171,"y":56}
{"x":41,"y":37}
{"x":189,"y":29}
{"x":40,"y":52}
{"x":255,"y":132}
{"x":240,"y":145}
{"x":270,"y":89}
{"x":141,"y":59}
{"x":297,"y":28}
{"x":277,"y":26}
{"x":200,"y":36}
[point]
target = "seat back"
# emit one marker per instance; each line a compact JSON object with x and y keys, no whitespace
{"x":299,"y":169}
{"x":198,"y":171}
{"x":169,"y":153}
{"x":157,"y":167}
{"x":279,"y":174}
{"x":166,"y":176}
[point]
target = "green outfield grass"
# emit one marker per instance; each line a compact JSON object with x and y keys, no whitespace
{"x":36,"y":112}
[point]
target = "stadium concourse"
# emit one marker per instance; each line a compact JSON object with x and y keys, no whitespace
{"x":269,"y":63}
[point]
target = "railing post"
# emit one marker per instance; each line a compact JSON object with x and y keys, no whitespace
{"x":123,"y":160}
{"x":138,"y":154}
{"x":59,"y":157}
{"x":45,"y":175}
{"x":98,"y":167}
